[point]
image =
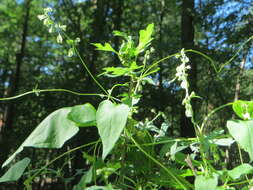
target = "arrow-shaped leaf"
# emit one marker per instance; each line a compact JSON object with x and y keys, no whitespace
{"x":111,"y":120}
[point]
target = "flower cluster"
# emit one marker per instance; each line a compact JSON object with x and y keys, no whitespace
{"x":181,"y":76}
{"x":48,"y":22}
{"x":59,"y":29}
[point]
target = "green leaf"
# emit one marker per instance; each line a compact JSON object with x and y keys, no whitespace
{"x":111,"y":120}
{"x":95,"y":187}
{"x":108,"y":187}
{"x":85,"y":179}
{"x":148,"y":80}
{"x":115,"y":71}
{"x":242,"y":132}
{"x":244,"y":109}
{"x":121,"y":34}
{"x":16,"y":171}
{"x":223,"y":141}
{"x":145,"y":38}
{"x":106,"y":47}
{"x":240,"y":170}
{"x":83,"y":115}
{"x":52,"y":132}
{"x":202,"y":182}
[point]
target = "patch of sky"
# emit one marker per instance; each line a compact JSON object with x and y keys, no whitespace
{"x":20,"y":1}
{"x":79,"y":1}
{"x":230,"y":7}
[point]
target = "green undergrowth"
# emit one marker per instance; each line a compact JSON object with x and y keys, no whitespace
{"x":138,"y":154}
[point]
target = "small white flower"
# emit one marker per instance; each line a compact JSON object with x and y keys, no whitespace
{"x":63,"y":27}
{"x":188,"y":113}
{"x":59,"y":38}
{"x":46,"y":21}
{"x":77,"y":40}
{"x":42,"y":17}
{"x":71,"y":52}
{"x":48,"y":9}
{"x":246,"y":115}
{"x":184,"y":84}
{"x":50,"y":29}
{"x":188,"y":67}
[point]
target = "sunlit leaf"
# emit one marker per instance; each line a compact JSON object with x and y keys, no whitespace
{"x":240,"y":170}
{"x":242,"y":132}
{"x":16,"y":171}
{"x":244,"y":109}
{"x":223,"y":141}
{"x":202,"y":182}
{"x":145,"y":38}
{"x":111,"y":120}
{"x":95,"y":187}
{"x":121,"y":34}
{"x":83,"y":115}
{"x":101,"y":47}
{"x":52,"y":132}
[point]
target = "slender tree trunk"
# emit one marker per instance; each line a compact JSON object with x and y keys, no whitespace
{"x":14,"y":86}
{"x":187,"y":40}
{"x":98,"y":26}
{"x":238,"y":84}
{"x":231,"y":151}
{"x":117,"y":19}
{"x":161,"y":88}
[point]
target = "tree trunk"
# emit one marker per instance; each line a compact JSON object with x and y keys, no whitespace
{"x":187,"y":40}
{"x":14,"y":86}
{"x":117,"y":19}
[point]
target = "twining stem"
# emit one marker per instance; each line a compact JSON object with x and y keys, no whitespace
{"x":38,"y":91}
{"x":211,"y":113}
{"x":88,"y":71}
{"x":29,"y":180}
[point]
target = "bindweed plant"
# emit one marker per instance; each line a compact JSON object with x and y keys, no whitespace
{"x":131,"y":157}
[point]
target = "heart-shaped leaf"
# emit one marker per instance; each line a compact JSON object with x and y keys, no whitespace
{"x":83,"y":115}
{"x":16,"y":171}
{"x":52,"y":132}
{"x":244,"y":109}
{"x":242,"y":132}
{"x":111,"y":120}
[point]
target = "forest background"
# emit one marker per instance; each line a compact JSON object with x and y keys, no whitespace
{"x":30,"y":58}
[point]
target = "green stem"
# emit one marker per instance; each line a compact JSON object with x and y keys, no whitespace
{"x":211,"y":113}
{"x":185,"y":185}
{"x":29,"y":180}
{"x":84,"y":64}
{"x":241,"y":160}
{"x":88,"y":71}
{"x":37,"y":91}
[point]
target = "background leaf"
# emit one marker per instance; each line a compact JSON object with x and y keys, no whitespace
{"x":111,"y":120}
{"x":83,"y":115}
{"x":16,"y":171}
{"x":52,"y":132}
